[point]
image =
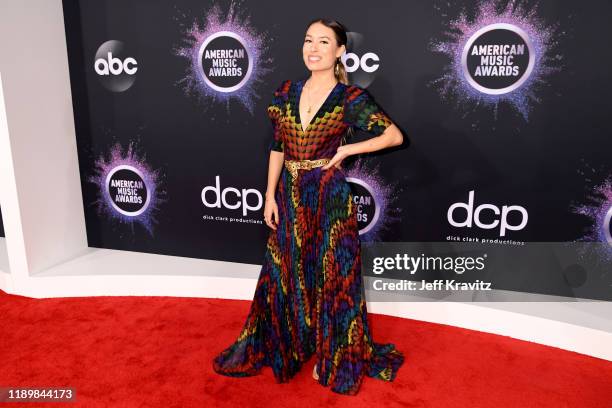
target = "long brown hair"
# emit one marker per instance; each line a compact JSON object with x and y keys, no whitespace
{"x":339,"y":69}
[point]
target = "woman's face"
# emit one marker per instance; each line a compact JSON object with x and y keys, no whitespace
{"x":320,"y":49}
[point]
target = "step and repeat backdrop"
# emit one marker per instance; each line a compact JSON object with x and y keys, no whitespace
{"x":504,"y":107}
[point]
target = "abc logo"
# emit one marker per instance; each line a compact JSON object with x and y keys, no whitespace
{"x":499,"y":217}
{"x":369,"y":62}
{"x":360,"y":62}
{"x":116,"y":70}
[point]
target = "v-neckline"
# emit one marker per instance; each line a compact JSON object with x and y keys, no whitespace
{"x":301,"y":84}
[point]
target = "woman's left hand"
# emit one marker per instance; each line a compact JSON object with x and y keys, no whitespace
{"x":341,"y":154}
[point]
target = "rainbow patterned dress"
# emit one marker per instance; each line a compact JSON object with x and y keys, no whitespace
{"x":309,"y":295}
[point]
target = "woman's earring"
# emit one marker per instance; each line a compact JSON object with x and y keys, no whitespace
{"x":336,"y":69}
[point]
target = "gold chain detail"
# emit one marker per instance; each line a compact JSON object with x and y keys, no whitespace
{"x":294,"y":165}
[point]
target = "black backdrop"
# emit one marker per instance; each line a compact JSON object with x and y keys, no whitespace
{"x":547,"y":163}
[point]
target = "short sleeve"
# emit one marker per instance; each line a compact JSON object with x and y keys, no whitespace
{"x":276,"y":110}
{"x":362,"y":112}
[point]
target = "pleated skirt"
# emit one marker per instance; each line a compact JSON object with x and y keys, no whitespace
{"x":309,"y":298}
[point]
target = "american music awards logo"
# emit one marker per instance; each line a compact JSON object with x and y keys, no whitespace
{"x":504,"y":54}
{"x":373,"y":200}
{"x":225,"y":57}
{"x":597,"y":207}
{"x":128,"y":189}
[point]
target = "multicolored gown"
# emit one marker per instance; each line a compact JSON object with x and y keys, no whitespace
{"x":309,"y":297}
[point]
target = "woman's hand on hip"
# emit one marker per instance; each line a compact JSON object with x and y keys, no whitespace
{"x":341,"y":154}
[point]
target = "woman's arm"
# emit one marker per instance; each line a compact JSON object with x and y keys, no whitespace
{"x":392,"y":136}
{"x":275,"y":166}
{"x":363,"y":113}
{"x":277,"y":156}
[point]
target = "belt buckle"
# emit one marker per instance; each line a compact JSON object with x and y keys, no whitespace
{"x":294,"y":165}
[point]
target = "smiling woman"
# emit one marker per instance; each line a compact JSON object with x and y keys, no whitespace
{"x":309,"y":296}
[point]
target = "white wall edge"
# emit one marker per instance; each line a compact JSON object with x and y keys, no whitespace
{"x":190,"y":280}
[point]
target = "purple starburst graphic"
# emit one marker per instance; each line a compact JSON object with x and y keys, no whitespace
{"x":543,"y":40}
{"x":599,"y":211}
{"x":385,"y":195}
{"x":129,"y":161}
{"x":216,"y":23}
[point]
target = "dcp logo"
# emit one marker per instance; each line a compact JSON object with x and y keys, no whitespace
{"x":499,"y":218}
{"x":116,"y":69}
{"x":231,"y":197}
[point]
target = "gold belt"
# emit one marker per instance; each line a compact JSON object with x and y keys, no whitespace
{"x":294,"y":165}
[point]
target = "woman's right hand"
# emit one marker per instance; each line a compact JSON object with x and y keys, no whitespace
{"x":270,"y":211}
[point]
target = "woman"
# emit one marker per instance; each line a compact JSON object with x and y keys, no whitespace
{"x":308,"y":299}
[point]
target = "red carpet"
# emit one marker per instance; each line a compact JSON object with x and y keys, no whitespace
{"x":157,"y":351}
